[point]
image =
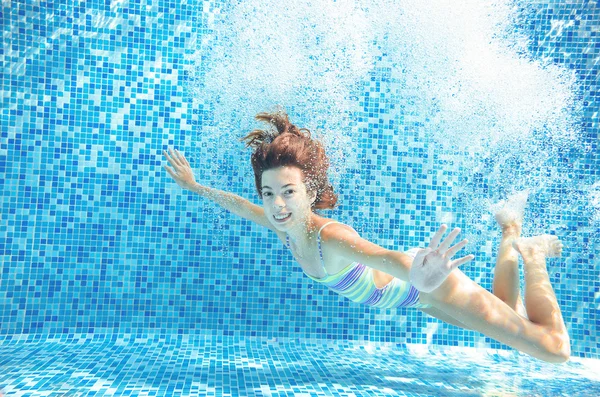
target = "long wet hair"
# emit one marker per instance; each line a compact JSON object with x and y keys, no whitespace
{"x":283,"y":145}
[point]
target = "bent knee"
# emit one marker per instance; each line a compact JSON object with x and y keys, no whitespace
{"x":558,"y":345}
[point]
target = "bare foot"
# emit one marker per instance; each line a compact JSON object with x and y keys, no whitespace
{"x":547,"y":245}
{"x":509,"y":212}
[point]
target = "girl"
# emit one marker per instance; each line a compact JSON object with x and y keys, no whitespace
{"x":290,"y":170}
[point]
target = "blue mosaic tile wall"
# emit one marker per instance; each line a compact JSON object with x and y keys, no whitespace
{"x":97,"y":239}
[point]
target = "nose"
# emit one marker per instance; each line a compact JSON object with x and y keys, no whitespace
{"x":278,"y":202}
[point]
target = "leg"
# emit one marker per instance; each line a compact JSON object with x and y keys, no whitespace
{"x":478,"y":309}
{"x":440,"y":315}
{"x":506,"y":272}
{"x":542,"y":307}
{"x":509,"y":215}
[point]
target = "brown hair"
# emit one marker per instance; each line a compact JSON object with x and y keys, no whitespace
{"x":287,"y":145}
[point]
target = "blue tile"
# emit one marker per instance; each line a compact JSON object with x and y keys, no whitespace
{"x":126,"y":364}
{"x":97,"y":240}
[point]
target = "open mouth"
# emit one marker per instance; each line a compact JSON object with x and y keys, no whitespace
{"x":285,"y":218}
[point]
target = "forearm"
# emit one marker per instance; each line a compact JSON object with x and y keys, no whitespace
{"x":397,"y":264}
{"x":231,"y":202}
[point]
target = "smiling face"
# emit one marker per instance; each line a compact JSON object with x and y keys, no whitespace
{"x":284,"y":193}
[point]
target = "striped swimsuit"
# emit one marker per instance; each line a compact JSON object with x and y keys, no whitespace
{"x":356,"y":283}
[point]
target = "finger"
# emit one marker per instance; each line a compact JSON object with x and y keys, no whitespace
{"x":461,"y":261}
{"x":170,"y":171}
{"x":180,"y":157}
{"x":185,"y":161}
{"x":437,"y":237}
{"x":169,"y":158}
{"x":448,"y":240}
{"x":174,"y":157}
{"x":452,"y":251}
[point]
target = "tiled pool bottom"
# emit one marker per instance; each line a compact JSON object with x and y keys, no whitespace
{"x":217,"y":366}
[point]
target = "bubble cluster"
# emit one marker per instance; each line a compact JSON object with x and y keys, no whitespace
{"x":264,"y":53}
{"x":499,"y":119}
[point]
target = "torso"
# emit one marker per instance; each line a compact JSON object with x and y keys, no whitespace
{"x":310,"y":261}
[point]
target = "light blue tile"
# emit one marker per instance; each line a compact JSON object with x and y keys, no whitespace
{"x":97,"y":240}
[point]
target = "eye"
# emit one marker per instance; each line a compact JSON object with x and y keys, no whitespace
{"x":290,"y":191}
{"x":266,"y":194}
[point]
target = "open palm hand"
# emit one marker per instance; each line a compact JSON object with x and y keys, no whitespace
{"x":432,"y":265}
{"x":182,"y":171}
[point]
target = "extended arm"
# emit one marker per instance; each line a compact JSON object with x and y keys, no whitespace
{"x":183,"y":175}
{"x":426,"y":272}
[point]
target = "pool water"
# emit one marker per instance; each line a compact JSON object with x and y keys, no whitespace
{"x":87,"y":365}
{"x":113,"y":281}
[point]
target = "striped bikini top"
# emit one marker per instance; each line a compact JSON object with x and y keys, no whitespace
{"x":356,"y":283}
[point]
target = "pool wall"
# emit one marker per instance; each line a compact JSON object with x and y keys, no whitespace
{"x":98,"y":240}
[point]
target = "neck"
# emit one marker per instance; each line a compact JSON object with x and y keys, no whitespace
{"x":302,"y":232}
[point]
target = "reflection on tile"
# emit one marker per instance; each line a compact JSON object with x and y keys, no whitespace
{"x":86,"y":365}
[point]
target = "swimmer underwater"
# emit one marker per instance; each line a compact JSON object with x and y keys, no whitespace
{"x":290,"y":170}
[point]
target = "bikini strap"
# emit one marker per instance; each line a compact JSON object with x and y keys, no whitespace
{"x":322,"y":227}
{"x":319,"y":244}
{"x":287,"y":240}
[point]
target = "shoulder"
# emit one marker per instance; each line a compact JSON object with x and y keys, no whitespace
{"x":345,"y":242}
{"x":335,"y":231}
{"x":337,"y":238}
